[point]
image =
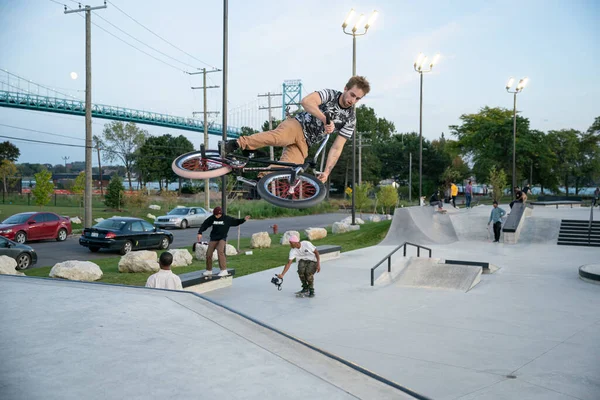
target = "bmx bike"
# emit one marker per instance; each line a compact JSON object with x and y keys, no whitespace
{"x":285,"y":184}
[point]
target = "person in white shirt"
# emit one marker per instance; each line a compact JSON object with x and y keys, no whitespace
{"x":165,"y":278}
{"x":309,"y":263}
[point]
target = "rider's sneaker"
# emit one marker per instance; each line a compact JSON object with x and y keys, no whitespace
{"x":311,"y":294}
{"x":302,"y":293}
{"x":207,"y":272}
{"x":224,"y":273}
{"x":230,"y":146}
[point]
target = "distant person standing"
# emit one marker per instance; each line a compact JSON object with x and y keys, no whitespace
{"x":453,"y":193}
{"x":218,"y":235}
{"x":496,"y":217}
{"x":469,"y":193}
{"x":164,"y":278}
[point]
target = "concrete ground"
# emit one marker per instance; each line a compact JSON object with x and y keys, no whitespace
{"x":528,"y":331}
{"x":71,"y":340}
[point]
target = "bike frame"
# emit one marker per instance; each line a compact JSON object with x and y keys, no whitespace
{"x":294,"y":169}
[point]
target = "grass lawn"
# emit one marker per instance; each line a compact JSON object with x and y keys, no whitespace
{"x":369,"y":235}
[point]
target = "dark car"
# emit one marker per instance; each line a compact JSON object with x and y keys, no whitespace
{"x":125,"y":234}
{"x":28,"y":226}
{"x":24,"y":255}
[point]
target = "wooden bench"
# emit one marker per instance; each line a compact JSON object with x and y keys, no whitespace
{"x":198,"y":283}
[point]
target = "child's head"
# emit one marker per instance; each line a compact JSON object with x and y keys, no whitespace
{"x":294,"y":242}
{"x":165,"y":260}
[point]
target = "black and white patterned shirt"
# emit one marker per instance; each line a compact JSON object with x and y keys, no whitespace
{"x":343,"y":118}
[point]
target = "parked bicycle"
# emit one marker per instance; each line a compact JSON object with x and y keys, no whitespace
{"x":285,"y":185}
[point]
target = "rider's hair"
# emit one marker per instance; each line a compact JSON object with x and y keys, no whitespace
{"x":360,"y":82}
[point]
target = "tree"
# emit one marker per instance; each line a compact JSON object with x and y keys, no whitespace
{"x":7,"y":169}
{"x":114,"y":193}
{"x":120,"y":143}
{"x":361,"y":197}
{"x":153,"y":159}
{"x":9,"y":151}
{"x":497,"y":179}
{"x":487,"y":139}
{"x":79,"y":185}
{"x":387,"y":197}
{"x":44,"y":187}
{"x":565,"y":145}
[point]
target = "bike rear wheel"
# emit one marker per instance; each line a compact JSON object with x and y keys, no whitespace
{"x":194,"y":166}
{"x":275,"y":188}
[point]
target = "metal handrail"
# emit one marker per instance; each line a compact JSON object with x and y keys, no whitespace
{"x":389,"y":258}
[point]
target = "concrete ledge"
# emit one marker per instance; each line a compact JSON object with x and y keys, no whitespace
{"x":590,"y":273}
{"x":329,"y":251}
{"x":515,"y":222}
{"x":198,"y":283}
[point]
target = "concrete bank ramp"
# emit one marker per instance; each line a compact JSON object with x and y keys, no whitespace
{"x":70,"y":340}
{"x":431,"y":273}
{"x":420,"y":225}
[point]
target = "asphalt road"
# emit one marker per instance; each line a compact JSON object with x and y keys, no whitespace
{"x":51,"y":252}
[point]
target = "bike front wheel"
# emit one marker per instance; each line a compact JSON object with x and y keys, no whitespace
{"x":277,"y":189}
{"x":194,"y":166}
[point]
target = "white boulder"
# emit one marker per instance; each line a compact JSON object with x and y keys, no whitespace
{"x":200,"y":252}
{"x":139,"y":261}
{"x":99,"y":220}
{"x":340,"y":227}
{"x":230,"y":250}
{"x":151,"y":216}
{"x":374,"y":218}
{"x":260,"y":240}
{"x":285,"y":239}
{"x":75,"y":270}
{"x":348,"y":220}
{"x":154,"y":207}
{"x":181,"y":257}
{"x":8,"y":266}
{"x":75,"y":220}
{"x":315,"y":233}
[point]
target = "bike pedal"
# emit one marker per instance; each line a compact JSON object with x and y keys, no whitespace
{"x":247,"y":181}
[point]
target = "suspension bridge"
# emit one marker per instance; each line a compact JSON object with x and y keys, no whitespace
{"x":21,"y":93}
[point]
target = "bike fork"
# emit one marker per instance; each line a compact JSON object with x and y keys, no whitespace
{"x":246,"y":181}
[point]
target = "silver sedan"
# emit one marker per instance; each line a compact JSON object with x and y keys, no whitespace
{"x":182,"y":217}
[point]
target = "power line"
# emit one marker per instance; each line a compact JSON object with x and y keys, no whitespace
{"x":158,"y":36}
{"x":147,"y":45}
{"x":45,"y":133}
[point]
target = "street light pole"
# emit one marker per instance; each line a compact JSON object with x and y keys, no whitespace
{"x":520,"y":86}
{"x":419,"y":67}
{"x":354,"y":35}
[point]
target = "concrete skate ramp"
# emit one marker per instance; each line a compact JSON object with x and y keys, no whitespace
{"x":540,"y":230}
{"x":421,"y":225}
{"x":432,"y":274}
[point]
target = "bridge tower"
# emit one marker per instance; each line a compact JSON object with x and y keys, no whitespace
{"x":292,"y":94}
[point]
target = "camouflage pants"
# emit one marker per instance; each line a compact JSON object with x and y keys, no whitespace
{"x":306,"y":272}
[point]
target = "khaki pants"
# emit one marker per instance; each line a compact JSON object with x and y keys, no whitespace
{"x":220,"y":246}
{"x":288,"y":135}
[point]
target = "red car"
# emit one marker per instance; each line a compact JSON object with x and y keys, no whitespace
{"x":28,"y":226}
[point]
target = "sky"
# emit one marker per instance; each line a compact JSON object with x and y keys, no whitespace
{"x":482,"y":44}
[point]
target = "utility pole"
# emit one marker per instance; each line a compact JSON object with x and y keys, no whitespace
{"x":87,"y":200}
{"x":268,"y":95}
{"x":65,"y":160}
{"x":410,"y":179}
{"x":360,"y":158}
{"x":205,"y":112}
{"x":99,"y":169}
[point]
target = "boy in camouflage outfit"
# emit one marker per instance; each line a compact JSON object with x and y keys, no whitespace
{"x":309,"y":263}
